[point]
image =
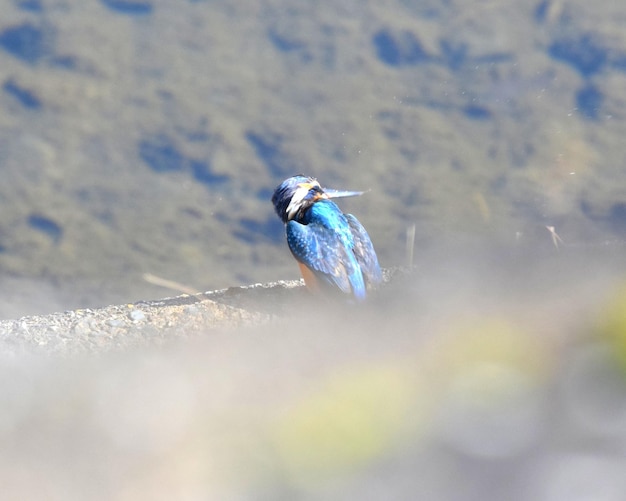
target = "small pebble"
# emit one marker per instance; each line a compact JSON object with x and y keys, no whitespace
{"x":137,"y":315}
{"x":192,"y":309}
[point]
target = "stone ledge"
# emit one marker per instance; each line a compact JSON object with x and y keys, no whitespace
{"x":119,"y":327}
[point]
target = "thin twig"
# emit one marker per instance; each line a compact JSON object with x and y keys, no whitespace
{"x":169,"y":284}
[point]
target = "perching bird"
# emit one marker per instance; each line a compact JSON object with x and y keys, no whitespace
{"x":332,"y":248}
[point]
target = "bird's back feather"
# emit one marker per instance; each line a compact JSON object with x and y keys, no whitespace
{"x":326,"y":245}
{"x":365,"y":253}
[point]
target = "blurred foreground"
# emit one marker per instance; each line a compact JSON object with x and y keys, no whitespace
{"x":488,"y":377}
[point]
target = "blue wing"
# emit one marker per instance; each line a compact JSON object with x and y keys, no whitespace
{"x":365,"y":253}
{"x":328,"y":253}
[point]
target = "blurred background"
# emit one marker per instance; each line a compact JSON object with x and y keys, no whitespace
{"x":147,"y":136}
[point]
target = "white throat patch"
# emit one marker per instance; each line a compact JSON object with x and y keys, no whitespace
{"x":296,"y":201}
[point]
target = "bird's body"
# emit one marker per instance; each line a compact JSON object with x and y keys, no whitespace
{"x":332,"y":248}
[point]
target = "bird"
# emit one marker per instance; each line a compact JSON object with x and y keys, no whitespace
{"x":332,"y":249}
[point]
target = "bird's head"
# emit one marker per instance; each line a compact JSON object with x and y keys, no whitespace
{"x":296,"y":194}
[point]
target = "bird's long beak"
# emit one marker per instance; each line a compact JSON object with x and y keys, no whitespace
{"x":341,"y":193}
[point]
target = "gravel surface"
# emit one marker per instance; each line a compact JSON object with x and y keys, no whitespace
{"x":144,"y":323}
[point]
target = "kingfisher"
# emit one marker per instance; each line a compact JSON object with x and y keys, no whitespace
{"x":331,"y":248}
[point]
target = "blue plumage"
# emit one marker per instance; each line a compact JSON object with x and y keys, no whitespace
{"x":334,"y":247}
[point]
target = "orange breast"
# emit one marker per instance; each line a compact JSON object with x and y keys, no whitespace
{"x":310,"y":279}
